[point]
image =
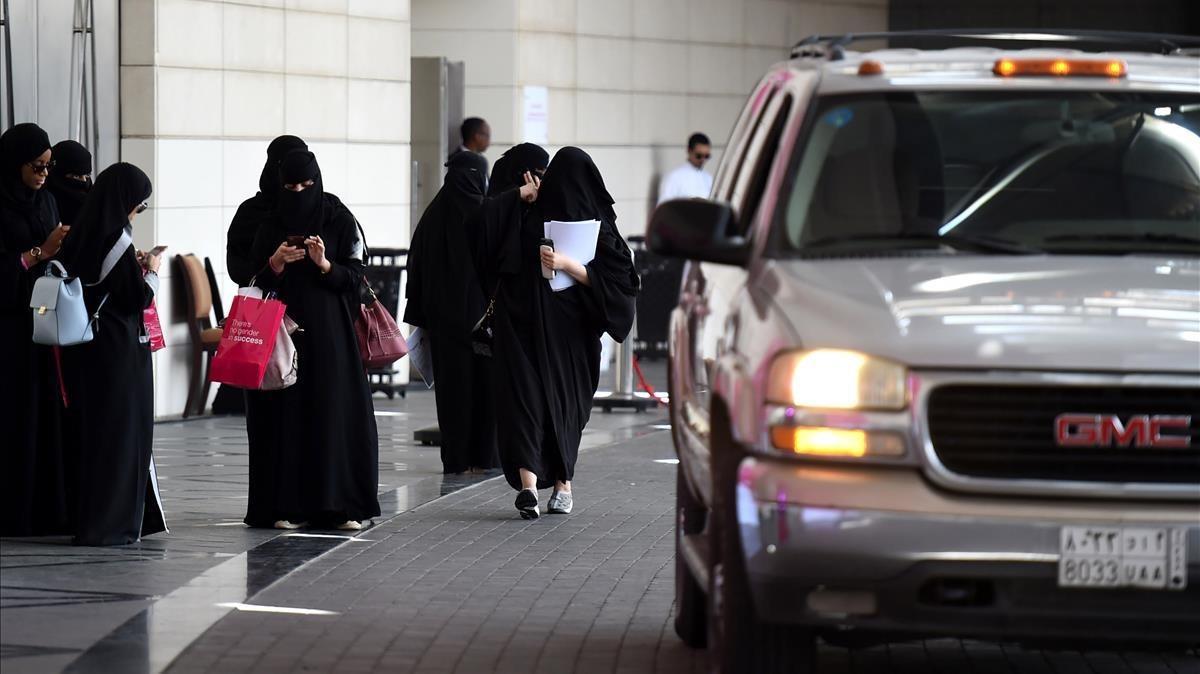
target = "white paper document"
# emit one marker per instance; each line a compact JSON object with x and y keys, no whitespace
{"x":420,"y":355}
{"x":576,"y":240}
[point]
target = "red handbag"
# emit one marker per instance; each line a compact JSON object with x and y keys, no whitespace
{"x":380,"y":341}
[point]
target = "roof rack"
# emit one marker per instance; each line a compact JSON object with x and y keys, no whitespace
{"x":833,"y":47}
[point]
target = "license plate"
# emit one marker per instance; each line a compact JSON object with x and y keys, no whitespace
{"x":1116,"y":557}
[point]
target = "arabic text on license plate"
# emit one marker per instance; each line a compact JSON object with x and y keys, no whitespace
{"x":1112,"y":557}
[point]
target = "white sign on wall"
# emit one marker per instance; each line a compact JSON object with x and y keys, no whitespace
{"x":536,"y":126}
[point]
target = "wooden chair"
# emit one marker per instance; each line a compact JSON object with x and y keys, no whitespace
{"x":199,"y":304}
{"x":218,"y":305}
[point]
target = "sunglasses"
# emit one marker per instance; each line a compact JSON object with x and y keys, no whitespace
{"x":41,"y":168}
{"x":142,"y":208}
{"x":697,"y":155}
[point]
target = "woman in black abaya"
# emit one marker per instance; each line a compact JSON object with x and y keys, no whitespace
{"x":110,"y":382}
{"x":322,"y":465}
{"x":33,"y":487}
{"x":70,"y":178}
{"x":446,"y":299}
{"x":547,"y":344}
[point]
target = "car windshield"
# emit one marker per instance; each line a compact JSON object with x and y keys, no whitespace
{"x":1070,"y":172}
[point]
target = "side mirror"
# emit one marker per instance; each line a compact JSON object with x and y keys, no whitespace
{"x":697,"y":229}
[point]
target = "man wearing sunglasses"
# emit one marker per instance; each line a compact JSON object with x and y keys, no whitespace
{"x":690,"y":179}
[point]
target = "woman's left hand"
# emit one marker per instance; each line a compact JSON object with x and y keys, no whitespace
{"x":316,"y":251}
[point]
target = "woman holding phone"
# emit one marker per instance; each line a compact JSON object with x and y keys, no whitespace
{"x":110,"y":385}
{"x":321,"y":464}
{"x":547,"y":344}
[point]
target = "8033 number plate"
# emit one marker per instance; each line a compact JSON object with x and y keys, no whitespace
{"x":1116,"y":557}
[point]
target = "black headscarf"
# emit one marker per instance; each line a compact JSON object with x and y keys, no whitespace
{"x":69,"y":158}
{"x":573,"y":189}
{"x":118,"y":190}
{"x":301,"y":212}
{"x":509,"y":170}
{"x":268,"y":183}
{"x":466,"y":174}
{"x":20,"y":145}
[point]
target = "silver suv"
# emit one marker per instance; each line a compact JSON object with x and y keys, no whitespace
{"x":935,"y":366}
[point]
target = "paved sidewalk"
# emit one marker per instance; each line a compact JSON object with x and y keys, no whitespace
{"x":113,"y":609}
{"x":463,"y":585}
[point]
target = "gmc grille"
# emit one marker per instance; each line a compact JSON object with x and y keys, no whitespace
{"x":1008,"y":432}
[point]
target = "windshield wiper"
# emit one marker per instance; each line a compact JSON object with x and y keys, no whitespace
{"x":956,"y":241}
{"x":1148,"y":237}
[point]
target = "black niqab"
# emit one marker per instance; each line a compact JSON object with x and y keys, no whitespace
{"x":20,"y":145}
{"x":118,"y":190}
{"x":70,"y":158}
{"x":250,"y":216}
{"x":509,"y":170}
{"x":303,"y":212}
{"x":268,"y":183}
{"x":573,"y":189}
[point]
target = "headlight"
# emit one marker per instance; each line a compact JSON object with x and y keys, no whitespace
{"x":836,"y":379}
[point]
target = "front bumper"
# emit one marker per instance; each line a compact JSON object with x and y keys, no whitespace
{"x":935,"y":563}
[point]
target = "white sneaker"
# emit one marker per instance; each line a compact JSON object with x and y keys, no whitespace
{"x":350,"y":525}
{"x":284,"y":524}
{"x":560,"y":503}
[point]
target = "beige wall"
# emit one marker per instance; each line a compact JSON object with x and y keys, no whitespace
{"x":206,"y":84}
{"x":629,"y":80}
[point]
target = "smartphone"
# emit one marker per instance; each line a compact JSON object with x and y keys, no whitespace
{"x":157,"y":250}
{"x":297,"y":241}
{"x":546,"y":244}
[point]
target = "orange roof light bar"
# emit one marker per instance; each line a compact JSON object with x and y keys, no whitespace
{"x":1059,"y":68}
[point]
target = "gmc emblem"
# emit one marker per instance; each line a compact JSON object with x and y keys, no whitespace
{"x":1107,"y":430}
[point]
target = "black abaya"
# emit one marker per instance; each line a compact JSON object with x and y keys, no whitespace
{"x":547,"y":344}
{"x":33,"y":480}
{"x":320,"y":463}
{"x":110,"y":379}
{"x":446,"y":299}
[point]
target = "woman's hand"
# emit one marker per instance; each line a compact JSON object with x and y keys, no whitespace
{"x":316,"y":251}
{"x":284,"y":255}
{"x":529,"y":191}
{"x":54,"y":242}
{"x":561,"y":262}
{"x":151,"y":262}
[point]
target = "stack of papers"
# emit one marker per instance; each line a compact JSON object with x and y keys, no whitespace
{"x":576,"y":240}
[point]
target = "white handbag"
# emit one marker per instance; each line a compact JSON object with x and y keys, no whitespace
{"x":282,"y":368}
{"x":60,"y":315}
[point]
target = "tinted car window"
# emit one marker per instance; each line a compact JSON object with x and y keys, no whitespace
{"x":1069,"y":172}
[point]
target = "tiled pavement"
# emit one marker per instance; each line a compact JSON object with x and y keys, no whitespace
{"x":462,"y":585}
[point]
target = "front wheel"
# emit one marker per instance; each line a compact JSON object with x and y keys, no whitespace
{"x":738,"y":641}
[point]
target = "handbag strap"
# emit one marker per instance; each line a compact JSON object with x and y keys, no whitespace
{"x":114,"y":256}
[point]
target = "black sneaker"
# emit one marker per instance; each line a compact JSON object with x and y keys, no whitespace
{"x":527,"y":504}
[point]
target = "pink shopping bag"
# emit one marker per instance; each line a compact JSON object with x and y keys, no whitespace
{"x":154,"y":327}
{"x":247,"y":341}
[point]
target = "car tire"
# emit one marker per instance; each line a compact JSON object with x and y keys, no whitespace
{"x":737,"y":640}
{"x":691,"y":604}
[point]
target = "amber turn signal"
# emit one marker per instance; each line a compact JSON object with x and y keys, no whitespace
{"x":824,"y":441}
{"x":1059,"y":68}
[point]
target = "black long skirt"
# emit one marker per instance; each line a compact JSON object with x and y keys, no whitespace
{"x":34,"y":484}
{"x":466,"y":417}
{"x":111,"y":395}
